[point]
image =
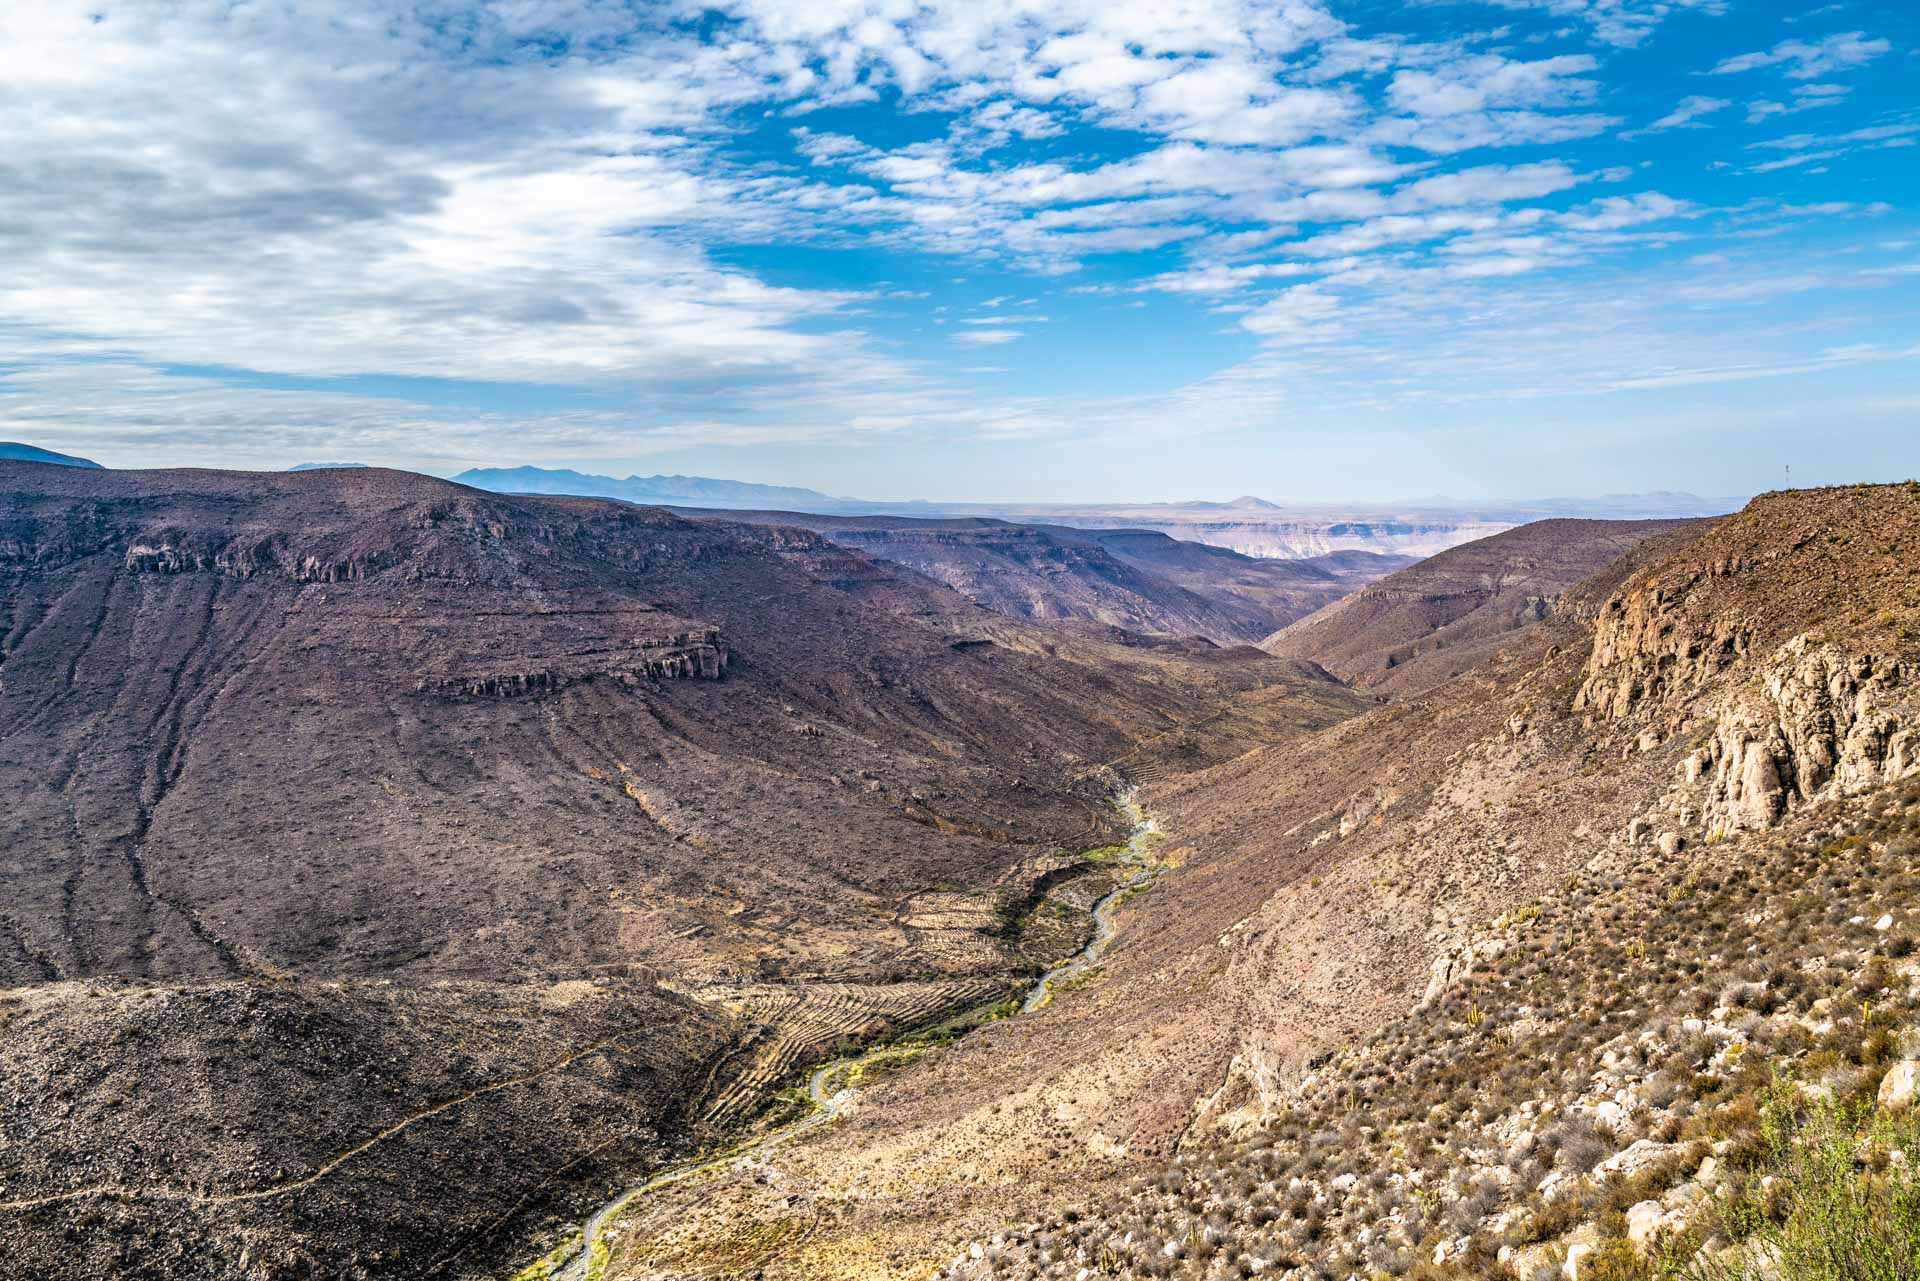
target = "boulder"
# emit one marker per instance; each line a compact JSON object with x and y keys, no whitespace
{"x":1529,"y":1262}
{"x":1639,"y":1156}
{"x":1898,"y":1085}
{"x":1644,"y":1221}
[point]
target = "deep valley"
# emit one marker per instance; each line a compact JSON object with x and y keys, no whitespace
{"x":399,"y":872}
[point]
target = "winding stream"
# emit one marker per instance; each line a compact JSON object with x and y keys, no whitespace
{"x":586,"y":1255}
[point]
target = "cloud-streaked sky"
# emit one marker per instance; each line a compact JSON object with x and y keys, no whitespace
{"x":973,"y":249}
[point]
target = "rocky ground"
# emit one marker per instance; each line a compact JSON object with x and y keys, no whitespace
{"x":1624,"y":1079}
{"x":397,"y":869}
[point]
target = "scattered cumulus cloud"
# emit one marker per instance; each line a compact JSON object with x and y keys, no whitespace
{"x":1624,"y":23}
{"x":1692,"y":110}
{"x":1804,"y":60}
{"x":594,"y":198}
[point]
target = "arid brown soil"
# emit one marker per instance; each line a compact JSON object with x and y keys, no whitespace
{"x":1720,"y":682}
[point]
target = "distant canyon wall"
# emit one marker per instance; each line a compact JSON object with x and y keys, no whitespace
{"x":1299,"y":539}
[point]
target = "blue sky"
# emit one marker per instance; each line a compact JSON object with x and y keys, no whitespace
{"x":999,"y":249}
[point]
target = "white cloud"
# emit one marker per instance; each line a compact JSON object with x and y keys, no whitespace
{"x":1805,"y":61}
{"x":1687,"y":115}
{"x":1219,"y":278}
{"x":1392,"y":229}
{"x":1450,"y":135}
{"x":1810,"y":148}
{"x":1805,"y":98}
{"x":1486,"y":184}
{"x":1618,"y":22}
{"x":490,"y":220}
{"x":1489,"y":81}
{"x":1003,"y":117}
{"x":559,"y":192}
{"x":1613,"y":213}
{"x":1301,"y":314}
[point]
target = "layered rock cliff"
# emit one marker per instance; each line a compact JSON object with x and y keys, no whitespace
{"x":685,"y":656}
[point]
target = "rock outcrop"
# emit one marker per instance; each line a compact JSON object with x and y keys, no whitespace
{"x":686,"y":656}
{"x":1898,"y":1087}
{"x":1823,"y":723}
{"x":246,"y":558}
{"x":1803,"y":682}
{"x":1813,"y":721}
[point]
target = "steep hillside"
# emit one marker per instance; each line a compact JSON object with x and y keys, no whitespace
{"x":1698,"y":1050}
{"x":1134,"y":579}
{"x":1590,"y":901}
{"x":472,"y":776}
{"x":1425,"y":624}
{"x":1731,"y":700}
{"x":1668,"y":1069}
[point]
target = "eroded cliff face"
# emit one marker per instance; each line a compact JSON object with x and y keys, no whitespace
{"x":1645,"y":649}
{"x":1821,"y":723}
{"x":1831,"y":711}
{"x":247,"y":558}
{"x":683,"y":656}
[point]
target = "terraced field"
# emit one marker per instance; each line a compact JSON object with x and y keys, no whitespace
{"x":826,"y":1026}
{"x":951,"y":929}
{"x":803,"y":1023}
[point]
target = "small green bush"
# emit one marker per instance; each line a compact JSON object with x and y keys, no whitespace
{"x":1841,"y":1205}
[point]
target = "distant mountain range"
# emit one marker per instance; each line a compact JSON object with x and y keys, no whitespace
{"x":696,"y":491}
{"x":14,"y":451}
{"x":1249,"y":525}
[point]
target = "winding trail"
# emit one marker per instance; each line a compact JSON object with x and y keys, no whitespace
{"x":132,"y":1192}
{"x":585,"y":1256}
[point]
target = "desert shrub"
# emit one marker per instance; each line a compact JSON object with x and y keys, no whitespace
{"x":1821,"y":1212}
{"x":1582,"y":1146}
